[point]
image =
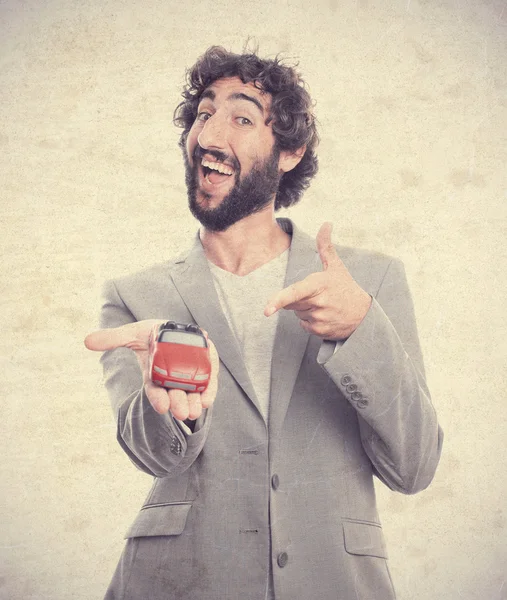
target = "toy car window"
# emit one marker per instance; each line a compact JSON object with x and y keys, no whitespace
{"x":180,"y":337}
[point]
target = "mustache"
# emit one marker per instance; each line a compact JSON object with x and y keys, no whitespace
{"x":199,"y":153}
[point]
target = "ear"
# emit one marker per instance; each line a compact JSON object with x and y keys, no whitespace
{"x":290,"y":159}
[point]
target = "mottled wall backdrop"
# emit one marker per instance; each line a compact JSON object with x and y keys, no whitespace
{"x":411,"y":99}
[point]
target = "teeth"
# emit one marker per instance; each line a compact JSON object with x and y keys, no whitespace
{"x":216,"y":166}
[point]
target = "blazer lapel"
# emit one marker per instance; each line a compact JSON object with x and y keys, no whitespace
{"x":194,"y":282}
{"x":291,"y":340}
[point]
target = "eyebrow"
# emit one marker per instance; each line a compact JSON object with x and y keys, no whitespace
{"x":237,"y":96}
{"x":240,"y":96}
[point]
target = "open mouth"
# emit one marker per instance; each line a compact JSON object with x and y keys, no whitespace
{"x":215,"y":172}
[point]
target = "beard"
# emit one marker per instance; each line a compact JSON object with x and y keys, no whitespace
{"x":248,"y":195}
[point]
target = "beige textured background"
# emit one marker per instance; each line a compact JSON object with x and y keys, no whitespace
{"x":411,"y":98}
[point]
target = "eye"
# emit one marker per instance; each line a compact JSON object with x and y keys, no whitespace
{"x":244,"y":121}
{"x":203,"y":116}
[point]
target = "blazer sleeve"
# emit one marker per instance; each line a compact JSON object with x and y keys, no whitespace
{"x":157,"y":444}
{"x":379,"y":369}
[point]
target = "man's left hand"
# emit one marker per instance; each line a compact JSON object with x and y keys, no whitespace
{"x":329,"y":304}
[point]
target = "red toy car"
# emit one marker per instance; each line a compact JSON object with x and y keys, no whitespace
{"x":179,"y":357}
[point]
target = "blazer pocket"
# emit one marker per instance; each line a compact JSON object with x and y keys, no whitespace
{"x":160,"y":519}
{"x":364,"y":538}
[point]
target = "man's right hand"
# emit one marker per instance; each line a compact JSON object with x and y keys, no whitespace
{"x":136,"y":336}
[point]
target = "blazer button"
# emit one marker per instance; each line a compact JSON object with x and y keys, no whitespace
{"x":352,"y":388}
{"x":363,"y":403}
{"x":275,"y":481}
{"x":282,"y":559}
{"x":175,"y":446}
{"x":356,"y":396}
{"x":346,"y":379}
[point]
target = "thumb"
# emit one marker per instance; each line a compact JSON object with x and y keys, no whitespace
{"x":131,"y":335}
{"x":327,"y":252}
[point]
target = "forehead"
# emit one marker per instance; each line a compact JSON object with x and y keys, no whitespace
{"x":232,"y":89}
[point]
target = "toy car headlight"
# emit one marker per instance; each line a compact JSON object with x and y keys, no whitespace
{"x":159,"y":370}
{"x":201,"y":377}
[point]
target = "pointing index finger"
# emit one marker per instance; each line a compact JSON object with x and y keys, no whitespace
{"x":289,"y":295}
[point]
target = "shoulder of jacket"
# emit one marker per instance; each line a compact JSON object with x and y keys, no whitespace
{"x":368,"y":267}
{"x":158,"y":272}
{"x":364,"y":257}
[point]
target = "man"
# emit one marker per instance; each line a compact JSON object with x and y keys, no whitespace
{"x":264,"y":483}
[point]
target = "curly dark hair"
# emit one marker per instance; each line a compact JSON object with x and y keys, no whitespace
{"x":293,"y":122}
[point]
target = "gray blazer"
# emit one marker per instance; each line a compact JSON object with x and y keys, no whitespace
{"x":298,"y":491}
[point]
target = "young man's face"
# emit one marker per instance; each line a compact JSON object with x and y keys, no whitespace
{"x":232,"y":166}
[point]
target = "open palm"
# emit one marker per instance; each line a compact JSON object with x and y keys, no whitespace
{"x":136,"y":336}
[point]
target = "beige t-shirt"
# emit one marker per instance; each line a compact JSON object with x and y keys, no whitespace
{"x":243,"y":299}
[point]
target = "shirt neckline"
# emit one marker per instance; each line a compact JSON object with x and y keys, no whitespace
{"x":280,"y":258}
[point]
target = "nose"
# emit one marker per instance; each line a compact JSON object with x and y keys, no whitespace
{"x":212,"y":134}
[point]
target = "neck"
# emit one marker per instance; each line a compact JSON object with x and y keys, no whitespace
{"x":246,"y":245}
